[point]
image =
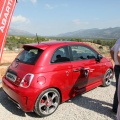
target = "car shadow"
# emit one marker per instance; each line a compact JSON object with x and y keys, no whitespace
{"x":12,"y":107}
{"x":113,"y":83}
{"x":9,"y":105}
{"x":82,"y":101}
{"x":98,"y":106}
{"x":1,"y":89}
{"x":33,"y":114}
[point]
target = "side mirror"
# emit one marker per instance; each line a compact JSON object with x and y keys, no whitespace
{"x":99,"y":57}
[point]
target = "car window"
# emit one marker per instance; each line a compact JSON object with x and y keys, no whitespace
{"x":60,"y":55}
{"x":82,"y":53}
{"x":29,"y":55}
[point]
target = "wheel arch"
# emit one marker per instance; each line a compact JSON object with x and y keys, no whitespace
{"x":50,"y":88}
{"x":59,"y":92}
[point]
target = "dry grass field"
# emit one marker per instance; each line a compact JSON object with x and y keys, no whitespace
{"x":7,"y":58}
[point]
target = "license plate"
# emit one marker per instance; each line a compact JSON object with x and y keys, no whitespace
{"x":11,"y":76}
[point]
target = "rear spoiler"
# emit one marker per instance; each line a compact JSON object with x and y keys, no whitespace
{"x":6,"y":11}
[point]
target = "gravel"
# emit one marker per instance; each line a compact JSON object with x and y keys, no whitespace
{"x":93,"y":105}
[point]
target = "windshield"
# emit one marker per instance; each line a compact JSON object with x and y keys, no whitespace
{"x":29,"y":55}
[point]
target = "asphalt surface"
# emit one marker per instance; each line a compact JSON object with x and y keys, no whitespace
{"x":93,"y":105}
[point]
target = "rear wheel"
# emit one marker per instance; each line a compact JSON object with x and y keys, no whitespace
{"x":47,"y":102}
{"x":107,"y":78}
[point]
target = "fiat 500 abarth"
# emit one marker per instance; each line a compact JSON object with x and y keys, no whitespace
{"x":43,"y":75}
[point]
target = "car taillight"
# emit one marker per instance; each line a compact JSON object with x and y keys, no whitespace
{"x":26,"y":80}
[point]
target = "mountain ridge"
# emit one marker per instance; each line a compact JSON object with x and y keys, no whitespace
{"x":107,"y":33}
{"x":94,"y":33}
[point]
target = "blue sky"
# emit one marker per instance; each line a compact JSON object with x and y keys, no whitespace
{"x":53,"y":17}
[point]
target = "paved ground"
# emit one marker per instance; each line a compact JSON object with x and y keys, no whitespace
{"x":93,"y":105}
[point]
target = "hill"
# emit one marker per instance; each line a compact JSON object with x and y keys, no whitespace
{"x":18,"y":32}
{"x":108,"y":33}
{"x":94,"y":33}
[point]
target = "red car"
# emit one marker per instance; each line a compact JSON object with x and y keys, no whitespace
{"x":46,"y":74}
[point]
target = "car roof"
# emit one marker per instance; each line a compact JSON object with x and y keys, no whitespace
{"x":44,"y":45}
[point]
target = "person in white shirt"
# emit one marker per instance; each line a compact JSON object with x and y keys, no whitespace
{"x":115,"y":54}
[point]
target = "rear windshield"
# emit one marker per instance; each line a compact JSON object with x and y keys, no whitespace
{"x":29,"y":55}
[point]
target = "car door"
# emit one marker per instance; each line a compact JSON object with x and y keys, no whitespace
{"x":87,"y":72}
{"x":62,"y":70}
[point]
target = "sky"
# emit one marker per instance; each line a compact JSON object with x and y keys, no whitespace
{"x":53,"y":17}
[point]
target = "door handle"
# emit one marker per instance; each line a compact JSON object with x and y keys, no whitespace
{"x":76,"y":70}
{"x":85,"y":68}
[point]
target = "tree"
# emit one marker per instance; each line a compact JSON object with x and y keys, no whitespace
{"x":99,"y":42}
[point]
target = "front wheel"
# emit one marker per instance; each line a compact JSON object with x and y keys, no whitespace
{"x":47,"y":102}
{"x":107,"y":78}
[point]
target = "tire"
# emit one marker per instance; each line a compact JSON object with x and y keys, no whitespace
{"x":47,"y":102}
{"x":107,"y":78}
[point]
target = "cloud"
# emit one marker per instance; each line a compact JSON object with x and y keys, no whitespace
{"x":20,"y":19}
{"x":33,"y":1}
{"x":79,"y":22}
{"x":50,"y":6}
{"x":20,"y":22}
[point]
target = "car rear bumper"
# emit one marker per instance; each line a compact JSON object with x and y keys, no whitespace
{"x":23,"y":97}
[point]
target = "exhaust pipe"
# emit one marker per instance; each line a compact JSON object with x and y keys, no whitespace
{"x":18,"y":106}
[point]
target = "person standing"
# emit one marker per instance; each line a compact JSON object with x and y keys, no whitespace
{"x":115,"y":55}
{"x":118,"y":110}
